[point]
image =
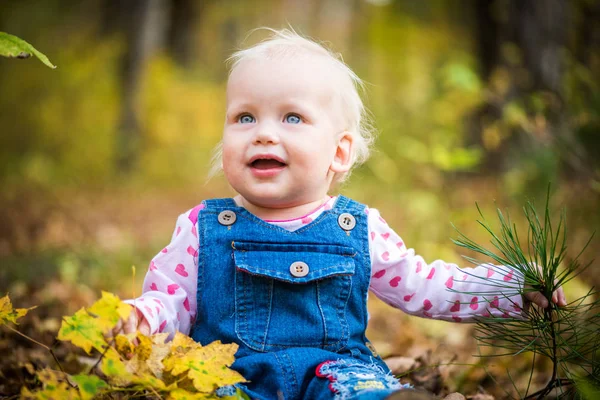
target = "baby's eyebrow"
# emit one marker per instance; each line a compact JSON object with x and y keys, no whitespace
{"x":235,"y":109}
{"x":298,"y":107}
{"x":239,"y":105}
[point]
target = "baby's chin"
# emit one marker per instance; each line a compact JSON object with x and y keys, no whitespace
{"x":273,"y":208}
{"x":266,"y":201}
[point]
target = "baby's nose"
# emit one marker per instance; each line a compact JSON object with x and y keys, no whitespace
{"x":266,"y":133}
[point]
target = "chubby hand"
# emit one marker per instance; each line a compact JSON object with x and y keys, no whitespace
{"x":135,"y":322}
{"x":537,"y":298}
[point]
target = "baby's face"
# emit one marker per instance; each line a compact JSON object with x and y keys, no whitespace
{"x":282,"y":131}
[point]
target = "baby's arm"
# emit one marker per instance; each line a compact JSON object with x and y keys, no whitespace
{"x":168,"y":301}
{"x":404,"y":280}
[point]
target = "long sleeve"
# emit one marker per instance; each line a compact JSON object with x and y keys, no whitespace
{"x":168,"y":301}
{"x":438,"y":289}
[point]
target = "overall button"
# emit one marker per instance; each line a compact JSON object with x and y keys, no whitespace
{"x":227,"y":217}
{"x":347,"y":221}
{"x":299,"y":269}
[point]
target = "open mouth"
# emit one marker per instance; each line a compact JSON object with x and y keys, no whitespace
{"x":266,"y":162}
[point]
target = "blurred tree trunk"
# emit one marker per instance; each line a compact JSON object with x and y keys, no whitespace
{"x":586,"y":50}
{"x":229,"y":32}
{"x":541,"y":33}
{"x":144,"y":29}
{"x":520,"y":44}
{"x":142,"y":24}
{"x":587,"y":43}
{"x":487,"y":35}
{"x":185,"y":15}
{"x":146,"y":26}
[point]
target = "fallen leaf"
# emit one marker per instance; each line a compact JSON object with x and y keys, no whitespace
{"x":89,"y":385}
{"x":109,"y":309}
{"x":115,"y":369}
{"x":400,"y":365}
{"x":124,"y":346}
{"x":207,"y":366}
{"x":83,"y":331}
{"x":54,"y":386}
{"x":182,"y":394}
{"x":8,"y":314}
{"x":455,"y":396}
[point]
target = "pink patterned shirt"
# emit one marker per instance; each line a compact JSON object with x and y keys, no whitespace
{"x":399,"y":277}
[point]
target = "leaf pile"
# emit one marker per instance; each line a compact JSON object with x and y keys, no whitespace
{"x":132,"y":365}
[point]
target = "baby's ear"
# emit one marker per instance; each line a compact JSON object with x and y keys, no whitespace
{"x":343,"y":153}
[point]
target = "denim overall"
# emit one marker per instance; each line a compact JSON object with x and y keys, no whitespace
{"x":294,"y":302}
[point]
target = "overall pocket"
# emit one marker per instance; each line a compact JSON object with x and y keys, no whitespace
{"x":292,"y":295}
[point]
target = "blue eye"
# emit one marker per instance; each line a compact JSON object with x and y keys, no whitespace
{"x":292,"y":119}
{"x":246,"y":119}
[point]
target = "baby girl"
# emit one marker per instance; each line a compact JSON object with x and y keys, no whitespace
{"x":284,"y":268}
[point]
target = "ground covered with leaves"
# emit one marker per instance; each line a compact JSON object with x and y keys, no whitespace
{"x":87,"y":363}
{"x":437,"y":357}
{"x":47,"y":355}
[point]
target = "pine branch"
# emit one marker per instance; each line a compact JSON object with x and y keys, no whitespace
{"x":567,"y":336}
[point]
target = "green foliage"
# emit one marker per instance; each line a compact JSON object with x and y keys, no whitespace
{"x":587,"y":389}
{"x":567,"y":336}
{"x":65,"y":135}
{"x":424,"y":86}
{"x":14,"y":47}
{"x":142,"y":365}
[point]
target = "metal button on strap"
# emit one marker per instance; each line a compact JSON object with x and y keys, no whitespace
{"x":299,"y":269}
{"x":372,"y":348}
{"x":227,"y":217}
{"x":347,"y":221}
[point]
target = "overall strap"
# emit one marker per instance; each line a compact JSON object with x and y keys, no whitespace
{"x":345,"y":204}
{"x":212,"y":204}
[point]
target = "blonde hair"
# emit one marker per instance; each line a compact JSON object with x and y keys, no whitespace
{"x":285,"y":43}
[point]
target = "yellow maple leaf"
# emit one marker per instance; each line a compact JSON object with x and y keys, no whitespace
{"x":8,"y":314}
{"x":144,"y":348}
{"x":109,"y":309}
{"x":55,"y":386}
{"x":182,"y":343}
{"x":145,"y":380}
{"x":89,"y":385}
{"x":182,"y":394}
{"x":115,"y":369}
{"x":143,"y":354}
{"x":160,"y":349}
{"x":123,"y":345}
{"x":83,"y":330}
{"x":147,"y":357}
{"x":155,"y":362}
{"x":51,"y":392}
{"x":160,"y":338}
{"x":145,"y":367}
{"x":207,"y":366}
{"x":86,"y":328}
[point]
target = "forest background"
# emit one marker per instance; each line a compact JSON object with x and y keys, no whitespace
{"x":482,"y":101}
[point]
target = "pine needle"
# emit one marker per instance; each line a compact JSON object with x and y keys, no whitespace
{"x":568,"y":336}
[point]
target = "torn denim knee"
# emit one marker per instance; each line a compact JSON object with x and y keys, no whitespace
{"x":349,"y":378}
